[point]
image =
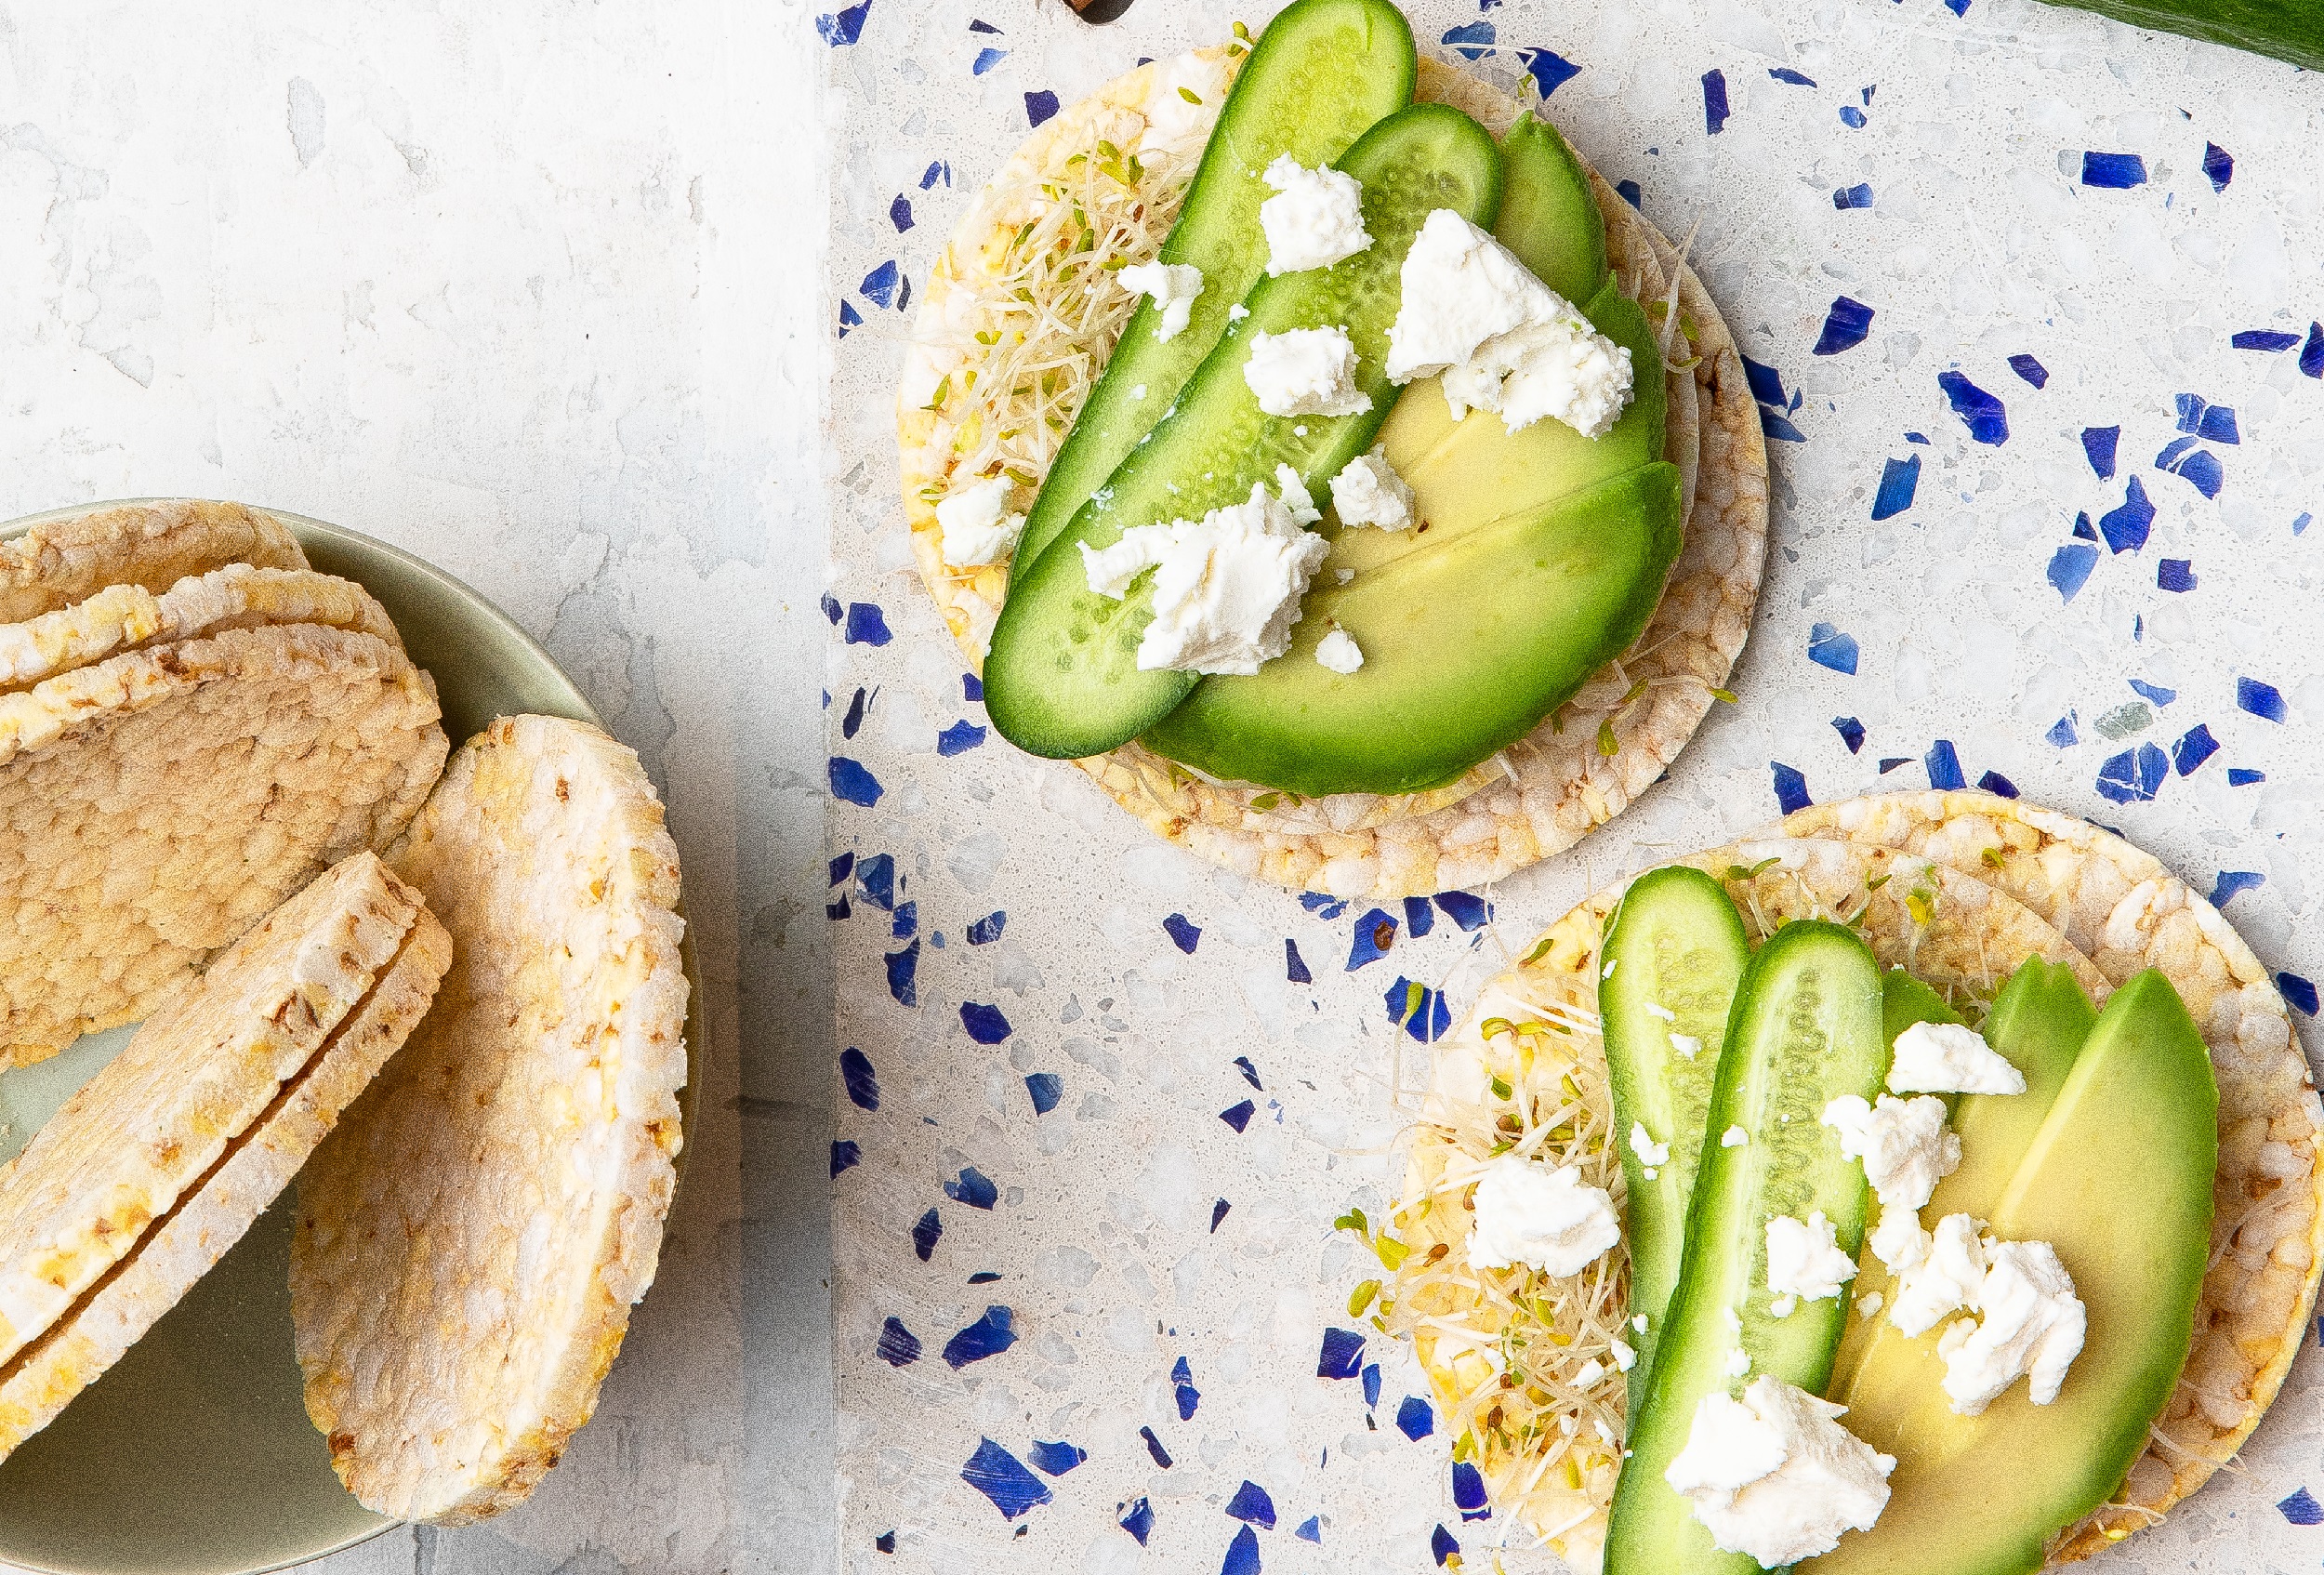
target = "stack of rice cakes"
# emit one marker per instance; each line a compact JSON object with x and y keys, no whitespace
{"x":205,"y":747}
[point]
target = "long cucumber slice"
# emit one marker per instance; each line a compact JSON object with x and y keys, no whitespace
{"x":1061,"y":679}
{"x":1805,"y":1029}
{"x":1319,"y":77}
{"x":1674,"y":951}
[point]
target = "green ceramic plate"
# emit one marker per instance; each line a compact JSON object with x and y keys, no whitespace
{"x":194,"y":1456}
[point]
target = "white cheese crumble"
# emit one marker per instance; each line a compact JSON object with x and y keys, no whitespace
{"x":978,"y":527}
{"x":1655,"y":1009}
{"x":1236,"y":313}
{"x":1774,"y":1477}
{"x":1589,"y":1374}
{"x":1805,"y":1259}
{"x":1226,"y":586}
{"x":1295,"y":497}
{"x":2033,"y":1324}
{"x":1940,"y":1276}
{"x":1638,"y":1323}
{"x":1625,"y":1356}
{"x":1503,"y":340}
{"x":1305,"y":372}
{"x":1685,"y":1044}
{"x":1733,"y":1137}
{"x":1738,"y":1362}
{"x":1904,"y":1144}
{"x":1949,"y":1058}
{"x":1172,"y":287}
{"x":1868,"y":1305}
{"x":1897,"y":1240}
{"x":1784,"y":1306}
{"x":1547,"y":1219}
{"x":1642,"y":1144}
{"x":1339,"y":653}
{"x":1369,"y":492}
{"x":1316,"y":218}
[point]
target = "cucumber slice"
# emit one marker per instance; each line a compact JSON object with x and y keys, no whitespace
{"x":1061,"y":679}
{"x":1548,"y":217}
{"x":1675,"y":944}
{"x":1319,"y":77}
{"x":1805,"y":1029}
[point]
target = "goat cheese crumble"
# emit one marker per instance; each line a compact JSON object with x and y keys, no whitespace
{"x":1774,"y":1476}
{"x":1295,"y":497}
{"x":1937,"y":1273}
{"x":1501,"y":340}
{"x":1949,"y":1058}
{"x":1172,"y":287}
{"x":978,"y":527}
{"x":1315,"y":218}
{"x":1226,"y":586}
{"x":1905,"y":1145}
{"x":1305,"y":372}
{"x":1547,"y":1219}
{"x":1339,"y":653}
{"x":1369,"y":492}
{"x":1805,"y":1259}
{"x":1642,"y":1144}
{"x":2033,"y":1325}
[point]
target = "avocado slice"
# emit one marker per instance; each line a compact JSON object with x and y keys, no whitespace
{"x":2119,"y":1178}
{"x":1465,"y":648}
{"x":1548,"y":217}
{"x":1905,"y":1001}
{"x":2038,"y":1024}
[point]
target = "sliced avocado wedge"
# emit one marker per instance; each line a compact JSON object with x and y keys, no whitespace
{"x":1805,"y":1029}
{"x":1319,"y":77}
{"x":1674,"y":950}
{"x":2118,"y":1180}
{"x":1062,"y":678}
{"x":1466,"y":648}
{"x":1548,"y":216}
{"x":1475,"y":471}
{"x":1905,"y":1001}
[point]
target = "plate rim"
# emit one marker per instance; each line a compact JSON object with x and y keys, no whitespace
{"x":697,"y":1014}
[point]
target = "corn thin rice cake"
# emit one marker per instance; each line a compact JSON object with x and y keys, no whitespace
{"x":1548,"y":1446}
{"x":470,"y":1240}
{"x":145,"y":1177}
{"x":2119,"y":904}
{"x":1578,"y":768}
{"x":156,"y":805}
{"x":155,"y":545}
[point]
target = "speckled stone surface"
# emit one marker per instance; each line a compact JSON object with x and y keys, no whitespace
{"x":2029,"y":300}
{"x":525,"y":289}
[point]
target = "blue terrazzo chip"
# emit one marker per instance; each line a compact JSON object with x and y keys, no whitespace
{"x":2194,"y":748}
{"x":986,"y":931}
{"x":1775,"y":425}
{"x":1985,"y":416}
{"x":927,"y":1231}
{"x":2062,"y":732}
{"x":905,"y":922}
{"x":856,"y":1077}
{"x":1850,"y":733}
{"x":1244,"y":1065}
{"x":1714,"y":101}
{"x":2260,"y":699}
{"x":1342,"y":1354}
{"x":2244,"y":776}
{"x":841,"y":28}
{"x":1045,"y":1088}
{"x":2155,"y":692}
{"x":898,"y":1346}
{"x":1414,"y":1420}
{"x":1944,"y":767}
{"x":1055,"y":1460}
{"x":1792,"y":793}
{"x":1899,"y":480}
{"x":1294,"y":966}
{"x":854,"y":716}
{"x":1469,"y":1496}
{"x":959,"y":738}
{"x":1003,"y":1478}
{"x":1419,"y":916}
{"x":1242,"y":1554}
{"x":1629,"y":192}
{"x":2300,"y":992}
{"x":2268,"y":340}
{"x":2125,"y":528}
{"x":1846,"y":324}
{"x":2031,"y":370}
{"x":846,"y":1154}
{"x":1159,"y":1455}
{"x":1183,"y":1389}
{"x":2175,"y":574}
{"x":1784,"y":73}
{"x":1464,"y":908}
{"x":1311,"y":1531}
{"x":985,"y":1024}
{"x":1472,"y":41}
{"x":986,"y":59}
{"x":1252,"y":1504}
{"x":903,"y":974}
{"x":1040,"y":106}
{"x":1371,"y":1384}
{"x":899,"y":213}
{"x":1183,"y":935}
{"x":988,"y":1336}
{"x":1375,"y":934}
{"x":1827,"y":647}
{"x":2133,"y":776}
{"x":2070,"y":566}
{"x":2098,"y":446}
{"x":1239,"y":1115}
{"x":2312,"y":351}
{"x":1549,"y":69}
{"x":852,"y":784}
{"x":2113,"y":172}
{"x":973,"y":1187}
{"x":1323,"y":905}
{"x":1442,"y":1546}
{"x":884,"y":285}
{"x":1765,"y":381}
{"x":1137,"y":1518}
{"x":2219,"y":165}
{"x":1852,"y":117}
{"x":2233,"y":881}
{"x":1418,"y":1010}
{"x":1856,"y":196}
{"x":2302,"y":1509}
{"x":876,"y":880}
{"x":1218,"y":1212}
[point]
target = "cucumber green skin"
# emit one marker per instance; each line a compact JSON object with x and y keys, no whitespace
{"x":1061,"y":679}
{"x":2290,"y":30}
{"x":1806,"y":1028}
{"x":1518,"y":616}
{"x":1548,"y":217}
{"x":1321,"y":74}
{"x":1675,"y":940}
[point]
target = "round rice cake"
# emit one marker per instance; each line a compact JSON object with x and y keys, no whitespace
{"x":471,"y":1240}
{"x":147,"y":1175}
{"x":1960,"y":932}
{"x":126,"y":617}
{"x":1533,"y":798}
{"x":156,"y":805}
{"x":155,"y":545}
{"x":2119,"y":904}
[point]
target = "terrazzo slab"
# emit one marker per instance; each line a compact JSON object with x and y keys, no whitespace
{"x":2028,"y":299}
